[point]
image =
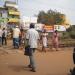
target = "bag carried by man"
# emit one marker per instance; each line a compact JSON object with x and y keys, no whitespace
{"x":27,"y":50}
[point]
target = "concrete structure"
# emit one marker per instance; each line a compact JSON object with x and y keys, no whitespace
{"x":9,"y":14}
{"x":3,"y":17}
{"x":29,"y":19}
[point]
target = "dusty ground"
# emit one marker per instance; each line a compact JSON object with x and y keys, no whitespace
{"x":13,"y":62}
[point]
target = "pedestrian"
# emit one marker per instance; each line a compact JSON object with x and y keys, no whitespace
{"x":0,"y":36}
{"x":44,"y":40}
{"x":55,"y":40}
{"x":32,"y":36}
{"x":21,"y":38}
{"x":4,"y":36}
{"x":16,"y":33}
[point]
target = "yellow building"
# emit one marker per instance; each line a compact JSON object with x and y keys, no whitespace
{"x":9,"y":14}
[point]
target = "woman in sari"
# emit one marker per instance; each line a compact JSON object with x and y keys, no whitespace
{"x":55,"y":40}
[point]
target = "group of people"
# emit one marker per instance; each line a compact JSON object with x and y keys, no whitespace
{"x":54,"y":40}
{"x":19,"y":38}
{"x":33,"y":38}
{"x":3,"y":36}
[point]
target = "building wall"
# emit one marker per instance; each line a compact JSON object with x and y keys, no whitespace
{"x":9,"y":14}
{"x":3,"y":17}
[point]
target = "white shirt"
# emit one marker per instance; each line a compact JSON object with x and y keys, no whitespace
{"x":1,"y":32}
{"x":33,"y":37}
{"x":16,"y":32}
{"x":44,"y":39}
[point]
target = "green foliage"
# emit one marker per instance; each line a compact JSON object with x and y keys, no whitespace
{"x":71,"y":31}
{"x":65,"y":35}
{"x":51,"y":17}
{"x":72,"y":34}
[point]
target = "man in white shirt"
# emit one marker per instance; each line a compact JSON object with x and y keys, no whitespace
{"x":32,"y":36}
{"x":1,"y":36}
{"x":16,"y":33}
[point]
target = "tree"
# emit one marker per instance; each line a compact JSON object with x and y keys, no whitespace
{"x":51,"y":17}
{"x":71,"y":31}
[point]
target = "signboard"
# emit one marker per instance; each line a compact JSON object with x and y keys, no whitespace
{"x":39,"y":26}
{"x":14,"y":13}
{"x":13,"y":20}
{"x":49,"y":28}
{"x":30,"y":19}
{"x":33,"y":19}
{"x":60,"y":27}
{"x":26,"y":19}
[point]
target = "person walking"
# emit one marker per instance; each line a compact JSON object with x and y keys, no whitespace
{"x":21,"y":38}
{"x":32,"y":36}
{"x":4,"y":37}
{"x":44,"y":40}
{"x":16,"y":33}
{"x":1,"y":36}
{"x":55,"y":40}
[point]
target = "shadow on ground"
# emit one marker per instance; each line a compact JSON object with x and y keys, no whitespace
{"x":18,"y":68}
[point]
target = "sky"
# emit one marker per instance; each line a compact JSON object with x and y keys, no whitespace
{"x":30,"y":8}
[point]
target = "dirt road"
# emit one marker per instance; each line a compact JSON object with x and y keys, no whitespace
{"x":13,"y":62}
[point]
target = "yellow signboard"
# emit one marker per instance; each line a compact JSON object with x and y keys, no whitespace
{"x":14,"y":13}
{"x":49,"y":28}
{"x":13,"y":20}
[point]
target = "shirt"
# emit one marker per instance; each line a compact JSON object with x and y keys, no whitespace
{"x":16,"y":33}
{"x":33,"y":37}
{"x":44,"y":39}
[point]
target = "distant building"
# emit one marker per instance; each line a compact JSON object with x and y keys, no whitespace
{"x":28,"y":20}
{"x":3,"y":17}
{"x":9,"y":14}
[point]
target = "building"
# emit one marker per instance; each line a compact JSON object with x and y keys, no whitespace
{"x":9,"y":14}
{"x":27,"y":21}
{"x":3,"y":17}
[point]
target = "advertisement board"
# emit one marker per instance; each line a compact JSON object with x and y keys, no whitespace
{"x":49,"y":28}
{"x":60,"y":27}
